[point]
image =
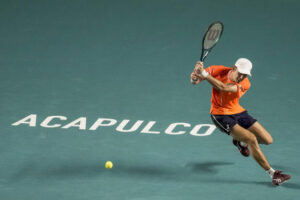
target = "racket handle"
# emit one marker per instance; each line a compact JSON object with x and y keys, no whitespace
{"x":203,"y":55}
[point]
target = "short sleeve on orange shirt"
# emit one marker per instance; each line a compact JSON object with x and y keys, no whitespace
{"x":216,"y":70}
{"x":243,"y":87}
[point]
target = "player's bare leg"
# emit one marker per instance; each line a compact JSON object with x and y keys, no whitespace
{"x":262,"y":135}
{"x":244,"y":135}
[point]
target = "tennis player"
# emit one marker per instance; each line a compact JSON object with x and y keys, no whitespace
{"x":229,"y":85}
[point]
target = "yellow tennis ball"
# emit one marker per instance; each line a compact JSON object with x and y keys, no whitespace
{"x":109,"y":165}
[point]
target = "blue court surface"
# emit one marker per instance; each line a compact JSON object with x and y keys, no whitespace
{"x":85,"y":82}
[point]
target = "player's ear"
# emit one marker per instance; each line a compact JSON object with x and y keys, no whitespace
{"x":234,"y":68}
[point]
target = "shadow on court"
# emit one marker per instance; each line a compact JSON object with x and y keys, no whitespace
{"x":290,"y":185}
{"x":231,"y":181}
{"x":93,"y":169}
{"x":85,"y":170}
{"x":210,"y":167}
{"x":88,"y":170}
{"x":144,"y":171}
{"x":68,"y":170}
{"x":263,"y":183}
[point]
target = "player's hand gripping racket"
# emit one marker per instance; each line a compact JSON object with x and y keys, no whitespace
{"x":210,"y":39}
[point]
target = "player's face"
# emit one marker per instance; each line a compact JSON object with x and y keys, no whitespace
{"x":240,"y":77}
{"x":237,"y":76}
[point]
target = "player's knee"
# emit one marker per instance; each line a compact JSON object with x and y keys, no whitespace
{"x":269,"y":140}
{"x":252,"y":141}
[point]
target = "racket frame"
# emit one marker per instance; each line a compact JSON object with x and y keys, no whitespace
{"x":205,"y":52}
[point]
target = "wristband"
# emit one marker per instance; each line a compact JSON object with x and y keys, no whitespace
{"x":204,"y":73}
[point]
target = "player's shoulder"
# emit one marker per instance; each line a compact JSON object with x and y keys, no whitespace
{"x":219,"y":67}
{"x":246,"y":83}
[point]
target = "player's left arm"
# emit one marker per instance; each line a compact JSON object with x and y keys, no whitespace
{"x":229,"y":87}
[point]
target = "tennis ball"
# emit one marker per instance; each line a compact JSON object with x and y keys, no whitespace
{"x":109,"y":165}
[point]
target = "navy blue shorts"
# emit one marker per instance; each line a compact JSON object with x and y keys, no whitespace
{"x":226,"y":122}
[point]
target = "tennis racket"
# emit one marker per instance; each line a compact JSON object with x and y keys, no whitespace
{"x":210,"y":39}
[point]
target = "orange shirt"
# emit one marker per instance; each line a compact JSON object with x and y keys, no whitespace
{"x":226,"y":103}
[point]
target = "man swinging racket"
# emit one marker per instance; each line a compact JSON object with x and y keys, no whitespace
{"x":229,"y":85}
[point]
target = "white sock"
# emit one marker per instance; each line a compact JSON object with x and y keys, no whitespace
{"x":271,"y":172}
{"x":243,"y":144}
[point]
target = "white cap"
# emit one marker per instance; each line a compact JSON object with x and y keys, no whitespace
{"x":244,"y":66}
